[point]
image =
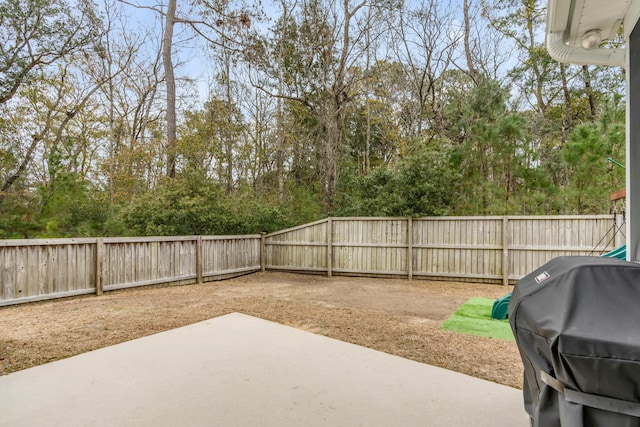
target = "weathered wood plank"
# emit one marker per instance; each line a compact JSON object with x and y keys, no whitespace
{"x":44,"y":297}
{"x":149,"y":282}
{"x":369,"y":245}
{"x":154,"y":257}
{"x":127,"y":263}
{"x":234,"y":237}
{"x":45,"y":242}
{"x":292,"y":230}
{"x":199,"y":276}
{"x":78,"y":256}
{"x":9,"y":276}
{"x":232,"y":271}
{"x":53,"y":268}
{"x":294,"y":243}
{"x":99,"y":264}
{"x":21,"y":289}
{"x":33,"y":270}
{"x":124,"y":240}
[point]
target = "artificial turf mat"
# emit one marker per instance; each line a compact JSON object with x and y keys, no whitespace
{"x":474,"y":318}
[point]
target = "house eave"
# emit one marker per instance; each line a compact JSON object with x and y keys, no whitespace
{"x":568,"y":20}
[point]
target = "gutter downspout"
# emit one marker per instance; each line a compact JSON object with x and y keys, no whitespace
{"x":578,"y":55}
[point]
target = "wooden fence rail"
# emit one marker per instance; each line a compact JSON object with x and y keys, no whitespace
{"x":480,"y":249}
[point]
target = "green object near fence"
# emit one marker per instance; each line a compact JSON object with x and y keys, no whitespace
{"x":473,"y":318}
{"x":620,"y":253}
{"x":500,"y":307}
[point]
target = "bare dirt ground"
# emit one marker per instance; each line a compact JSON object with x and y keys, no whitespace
{"x":394,"y":316}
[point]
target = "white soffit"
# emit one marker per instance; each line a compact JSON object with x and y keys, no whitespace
{"x":569,"y":20}
{"x":587,"y":15}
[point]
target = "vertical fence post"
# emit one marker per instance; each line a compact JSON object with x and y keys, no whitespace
{"x":329,"y":247}
{"x":505,"y":251}
{"x":263,"y":251}
{"x":199,"y":260}
{"x":99,"y":266}
{"x":410,"y":248}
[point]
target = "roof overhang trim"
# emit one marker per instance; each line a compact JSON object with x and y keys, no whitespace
{"x":563,"y":17}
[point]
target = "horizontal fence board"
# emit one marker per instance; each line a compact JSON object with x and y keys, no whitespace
{"x":233,"y":271}
{"x":293,"y":269}
{"x":292,"y":230}
{"x":585,"y":249}
{"x":230,"y":275}
{"x":149,"y":239}
{"x":233,"y":237}
{"x":455,"y":246}
{"x":45,"y":242}
{"x":372,"y":272}
{"x":461,"y":276}
{"x":369,"y":245}
{"x":148,"y":282}
{"x":369,"y":218}
{"x":36,"y":298}
{"x":287,"y":243}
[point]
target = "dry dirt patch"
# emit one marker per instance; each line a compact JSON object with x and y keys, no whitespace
{"x":395,"y":316}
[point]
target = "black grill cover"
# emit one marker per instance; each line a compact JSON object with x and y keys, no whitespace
{"x":576,"y":321}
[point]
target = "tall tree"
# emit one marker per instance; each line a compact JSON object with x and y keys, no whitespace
{"x":492,"y":154}
{"x":541,"y":80}
{"x":167,"y":60}
{"x":132,"y":105}
{"x":328,"y":45}
{"x":207,"y":19}
{"x":425,"y":45}
{"x":468,"y":48}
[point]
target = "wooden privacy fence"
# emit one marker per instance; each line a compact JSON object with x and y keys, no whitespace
{"x":32,"y":270}
{"x":485,"y":249}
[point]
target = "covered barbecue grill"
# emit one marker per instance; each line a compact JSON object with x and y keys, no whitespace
{"x":576,"y":321}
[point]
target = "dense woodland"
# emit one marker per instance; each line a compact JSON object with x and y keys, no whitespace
{"x":312,"y":108}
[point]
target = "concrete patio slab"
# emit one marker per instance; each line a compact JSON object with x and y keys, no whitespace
{"x":238,"y":370}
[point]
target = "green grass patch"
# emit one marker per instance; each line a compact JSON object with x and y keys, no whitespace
{"x":474,"y":318}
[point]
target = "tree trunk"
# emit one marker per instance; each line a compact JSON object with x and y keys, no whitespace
{"x":367,"y":145}
{"x":331,"y":144}
{"x":280,"y":152}
{"x":589,"y":90}
{"x":167,"y":44}
{"x":473,"y":72}
{"x":539,"y":85}
{"x":567,"y":102}
{"x":367,"y":148}
{"x":280,"y":117}
{"x":333,"y":113}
